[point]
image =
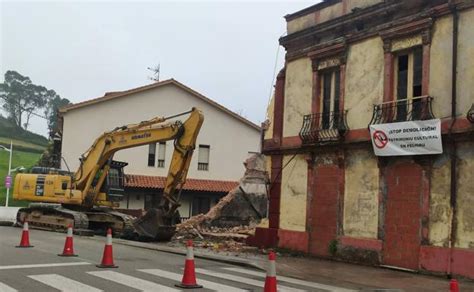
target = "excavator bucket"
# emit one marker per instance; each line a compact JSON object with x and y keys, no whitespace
{"x":154,"y":226}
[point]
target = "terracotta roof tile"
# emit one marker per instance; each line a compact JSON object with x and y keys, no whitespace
{"x":158,"y":182}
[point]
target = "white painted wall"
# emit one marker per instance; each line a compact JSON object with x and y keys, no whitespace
{"x":229,"y":138}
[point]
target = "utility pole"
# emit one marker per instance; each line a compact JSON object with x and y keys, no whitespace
{"x":8,"y":179}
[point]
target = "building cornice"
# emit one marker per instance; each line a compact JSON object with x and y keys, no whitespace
{"x":384,"y":19}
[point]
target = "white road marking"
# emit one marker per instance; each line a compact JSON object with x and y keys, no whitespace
{"x":62,"y":283}
{"x":292,"y":280}
{"x":43,"y":265}
{"x":130,"y":281}
{"x":178,"y":278}
{"x":244,"y":280}
{"x":6,"y":288}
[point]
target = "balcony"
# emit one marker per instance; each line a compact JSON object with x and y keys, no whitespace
{"x":323,"y":128}
{"x":403,"y":110}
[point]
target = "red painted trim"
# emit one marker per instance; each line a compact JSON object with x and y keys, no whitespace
{"x":291,"y":142}
{"x":362,"y":243}
{"x":388,"y":77}
{"x":362,"y":135}
{"x":425,"y":205}
{"x":342,"y":85}
{"x":270,"y":144}
{"x":357,"y":135}
{"x":425,"y":80}
{"x":463,"y":262}
{"x":295,"y":240}
{"x":317,"y":17}
{"x":279,"y":105}
{"x":461,"y":125}
{"x":316,"y":89}
{"x":344,"y":7}
{"x":436,"y":259}
{"x":275,"y":191}
{"x":309,"y":197}
{"x":264,"y":238}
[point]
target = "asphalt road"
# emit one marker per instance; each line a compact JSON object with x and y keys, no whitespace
{"x":40,"y":269}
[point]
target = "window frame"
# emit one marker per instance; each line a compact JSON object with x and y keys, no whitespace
{"x":160,"y":163}
{"x":404,"y":106}
{"x":204,"y":166}
{"x":151,"y":156}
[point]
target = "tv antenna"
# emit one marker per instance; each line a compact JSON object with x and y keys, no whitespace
{"x":156,"y":73}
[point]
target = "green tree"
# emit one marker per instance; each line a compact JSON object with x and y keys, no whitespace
{"x":21,"y":98}
{"x":51,"y":112}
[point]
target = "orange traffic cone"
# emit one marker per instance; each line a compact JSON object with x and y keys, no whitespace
{"x":189,"y":276}
{"x":108,"y":258}
{"x":25,"y":236}
{"x":68,"y":245}
{"x":453,"y":286}
{"x":271,"y":280}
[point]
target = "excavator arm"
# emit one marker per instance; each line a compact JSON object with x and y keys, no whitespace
{"x":95,"y":162}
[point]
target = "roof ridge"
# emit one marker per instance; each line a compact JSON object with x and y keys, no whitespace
{"x":116,"y":94}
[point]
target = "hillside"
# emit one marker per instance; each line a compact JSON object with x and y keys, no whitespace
{"x":22,"y":139}
{"x":19,"y":158}
{"x":27,"y":150}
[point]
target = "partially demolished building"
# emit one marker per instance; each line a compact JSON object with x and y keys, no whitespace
{"x":358,"y":76}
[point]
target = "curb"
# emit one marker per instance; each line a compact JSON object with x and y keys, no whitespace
{"x":197,"y":254}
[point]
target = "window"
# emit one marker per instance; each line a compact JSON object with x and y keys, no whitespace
{"x":409,"y":73}
{"x":161,"y":154}
{"x":151,"y":154}
{"x":200,"y":205}
{"x":330,"y":93}
{"x":114,"y":178}
{"x":203,"y":157}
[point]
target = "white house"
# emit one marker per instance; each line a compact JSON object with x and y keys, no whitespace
{"x":224,"y":142}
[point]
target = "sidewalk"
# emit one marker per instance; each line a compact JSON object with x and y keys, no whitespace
{"x":318,"y":270}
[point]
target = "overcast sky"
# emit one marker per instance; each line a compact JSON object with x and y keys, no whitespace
{"x":225,"y":50}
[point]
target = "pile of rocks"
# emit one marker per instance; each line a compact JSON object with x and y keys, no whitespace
{"x":235,"y":216}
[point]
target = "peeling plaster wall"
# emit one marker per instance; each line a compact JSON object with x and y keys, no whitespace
{"x":465,"y":196}
{"x":330,"y":12}
{"x":364,"y":81}
{"x":465,"y":62}
{"x":294,"y":182}
{"x":361,"y":194}
{"x":298,"y":88}
{"x":301,"y":23}
{"x":327,"y":13}
{"x":440,"y":66}
{"x":440,"y":209}
{"x":270,"y":109}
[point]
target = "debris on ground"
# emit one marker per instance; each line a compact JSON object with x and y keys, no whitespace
{"x":227,"y":225}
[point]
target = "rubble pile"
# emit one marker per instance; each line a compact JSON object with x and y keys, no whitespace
{"x":235,"y":216}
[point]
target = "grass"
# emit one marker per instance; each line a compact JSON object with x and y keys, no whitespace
{"x":19,"y":158}
{"x":22,"y":145}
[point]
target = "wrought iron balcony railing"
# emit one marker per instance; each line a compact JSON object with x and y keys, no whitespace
{"x":411,"y":109}
{"x":324,"y":127}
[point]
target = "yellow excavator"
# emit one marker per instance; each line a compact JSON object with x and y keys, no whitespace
{"x":63,"y":198}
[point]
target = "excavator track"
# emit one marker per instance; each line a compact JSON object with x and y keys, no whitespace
{"x":52,"y":217}
{"x":55,"y":217}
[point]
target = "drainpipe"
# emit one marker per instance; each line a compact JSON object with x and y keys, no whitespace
{"x":453,"y":148}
